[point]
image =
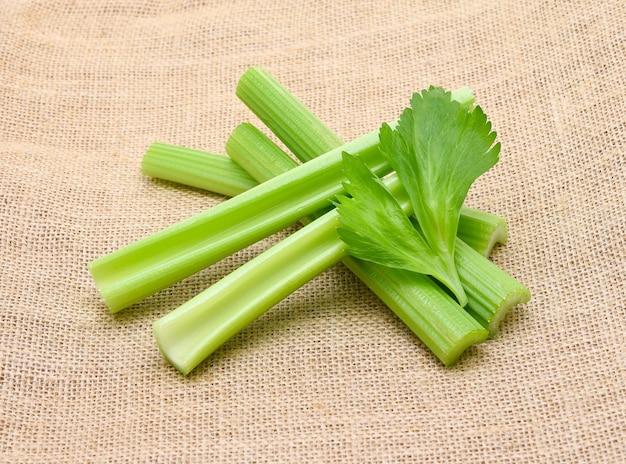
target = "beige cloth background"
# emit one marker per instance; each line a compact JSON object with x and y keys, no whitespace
{"x":330,"y":374}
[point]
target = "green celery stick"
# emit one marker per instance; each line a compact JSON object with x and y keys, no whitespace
{"x":196,"y":168}
{"x":293,"y":123}
{"x":313,"y":138}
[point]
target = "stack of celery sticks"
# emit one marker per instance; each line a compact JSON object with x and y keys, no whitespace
{"x":272,"y":191}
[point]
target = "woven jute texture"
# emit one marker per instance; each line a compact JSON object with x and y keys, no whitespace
{"x":329,"y":374}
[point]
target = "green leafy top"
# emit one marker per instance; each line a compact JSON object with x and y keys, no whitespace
{"x":437,"y":149}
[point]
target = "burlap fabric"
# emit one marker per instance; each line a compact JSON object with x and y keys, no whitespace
{"x":330,"y":374}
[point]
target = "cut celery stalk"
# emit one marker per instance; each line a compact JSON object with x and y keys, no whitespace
{"x":491,"y":291}
{"x":196,"y":329}
{"x":481,"y":230}
{"x":268,"y":160}
{"x":253,"y":87}
{"x":294,"y":124}
{"x":196,"y":168}
{"x":193,"y":331}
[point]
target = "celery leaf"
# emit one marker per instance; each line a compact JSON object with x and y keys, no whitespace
{"x":375,"y":228}
{"x":438,"y":149}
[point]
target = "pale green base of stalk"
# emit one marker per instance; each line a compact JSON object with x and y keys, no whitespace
{"x":196,"y":168}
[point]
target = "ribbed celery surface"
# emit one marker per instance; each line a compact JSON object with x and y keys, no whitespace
{"x":196,"y":168}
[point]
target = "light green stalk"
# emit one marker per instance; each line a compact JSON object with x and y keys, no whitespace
{"x":196,"y":168}
{"x":313,"y":137}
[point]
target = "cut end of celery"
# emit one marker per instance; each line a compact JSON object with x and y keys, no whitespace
{"x":500,"y":235}
{"x":471,"y":338}
{"x":520,"y":296}
{"x":92,"y":267}
{"x":168,"y":347}
{"x":112,"y":298}
{"x":465,"y":96}
{"x":482,"y":231}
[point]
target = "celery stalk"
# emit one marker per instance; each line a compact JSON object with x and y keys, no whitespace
{"x":315,"y":138}
{"x":268,"y":160}
{"x":196,"y":168}
{"x":481,"y":230}
{"x":293,"y":123}
{"x":193,"y":331}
